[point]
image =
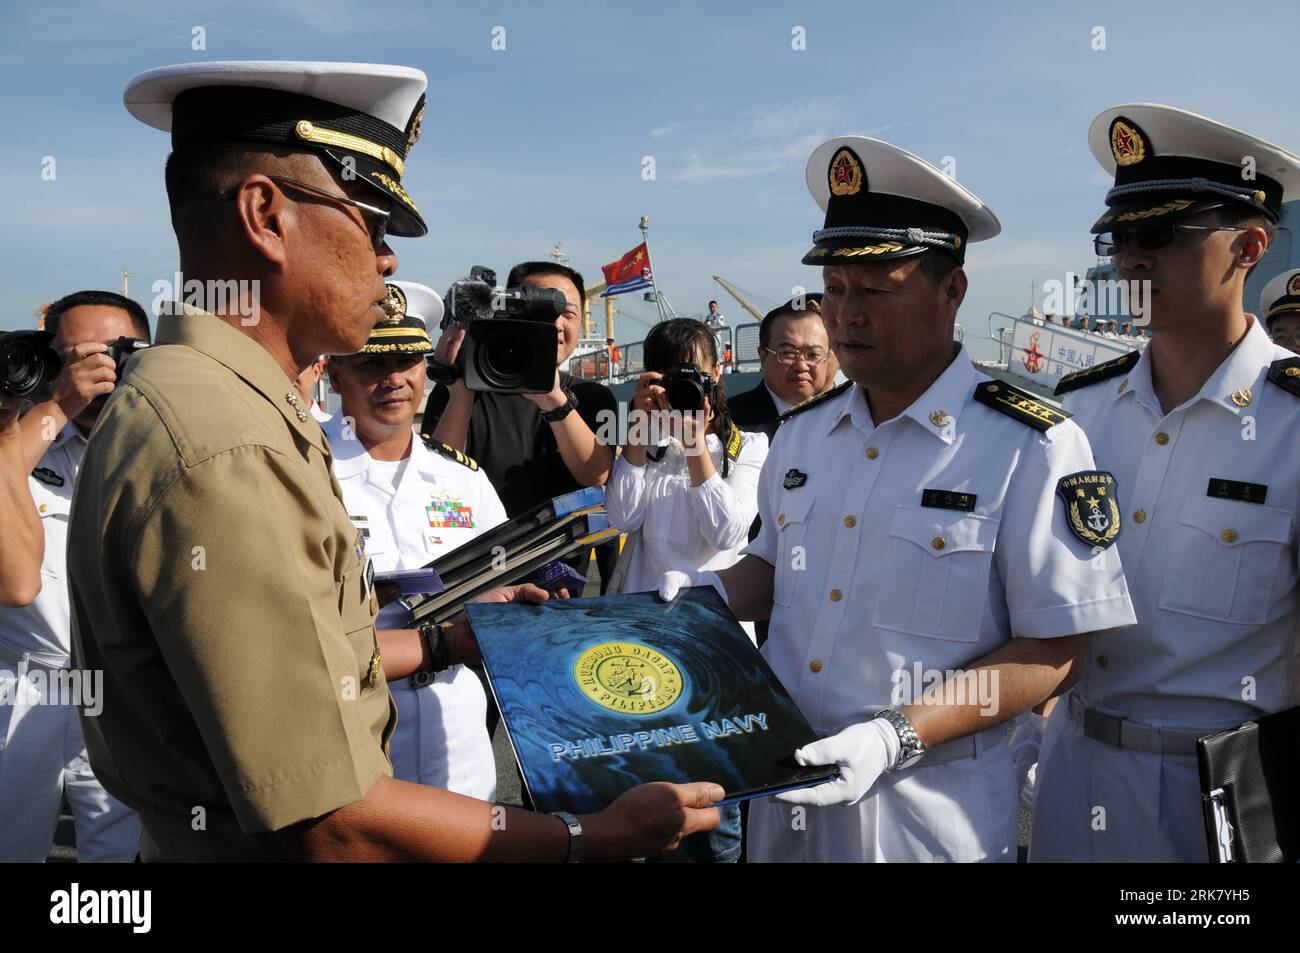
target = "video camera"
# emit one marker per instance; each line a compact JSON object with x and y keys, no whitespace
{"x":510,"y":342}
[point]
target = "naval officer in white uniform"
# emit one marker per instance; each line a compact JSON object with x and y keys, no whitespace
{"x":923,"y":527}
{"x":1202,"y":431}
{"x":413,"y":500}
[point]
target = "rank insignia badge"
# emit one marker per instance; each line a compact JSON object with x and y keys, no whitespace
{"x":794,"y":479}
{"x":1091,"y":506}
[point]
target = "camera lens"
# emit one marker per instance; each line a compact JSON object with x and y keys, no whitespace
{"x":29,"y":364}
{"x":685,"y":394}
{"x":505,"y":357}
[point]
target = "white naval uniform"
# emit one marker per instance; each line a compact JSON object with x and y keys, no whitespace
{"x":1213,"y":581}
{"x":441,"y":737}
{"x":868,"y":583}
{"x":42,"y":751}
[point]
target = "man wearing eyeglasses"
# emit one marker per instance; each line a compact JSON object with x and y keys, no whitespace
{"x":215,"y":578}
{"x":1279,"y":303}
{"x":1199,"y":429}
{"x":795,"y":355}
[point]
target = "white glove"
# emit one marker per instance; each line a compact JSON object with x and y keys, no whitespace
{"x":674,"y":581}
{"x":862,"y":751}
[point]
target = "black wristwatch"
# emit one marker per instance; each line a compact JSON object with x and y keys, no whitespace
{"x":559,"y":413}
{"x":439,"y":652}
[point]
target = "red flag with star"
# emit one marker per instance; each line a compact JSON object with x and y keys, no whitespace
{"x":629,"y":273}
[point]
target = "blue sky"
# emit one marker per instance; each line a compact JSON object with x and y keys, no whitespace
{"x":543,"y":142}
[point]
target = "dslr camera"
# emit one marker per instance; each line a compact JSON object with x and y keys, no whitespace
{"x":687,"y":387}
{"x":510,"y":335}
{"x":29,"y":365}
{"x":121,"y":350}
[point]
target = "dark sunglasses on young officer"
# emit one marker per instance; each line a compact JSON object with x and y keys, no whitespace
{"x":1151,"y":237}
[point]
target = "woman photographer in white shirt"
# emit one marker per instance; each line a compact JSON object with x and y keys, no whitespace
{"x":686,"y":485}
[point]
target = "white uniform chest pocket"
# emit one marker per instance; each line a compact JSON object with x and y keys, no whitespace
{"x":935,"y":574}
{"x":791,"y":557}
{"x":1228,"y":560}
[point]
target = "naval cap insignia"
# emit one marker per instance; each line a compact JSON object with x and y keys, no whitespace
{"x":1126,"y":143}
{"x":845,"y":173}
{"x":395,"y":304}
{"x":1293,"y":286}
{"x":413,"y":136}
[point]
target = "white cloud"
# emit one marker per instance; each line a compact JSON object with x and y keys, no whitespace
{"x":660,"y":132}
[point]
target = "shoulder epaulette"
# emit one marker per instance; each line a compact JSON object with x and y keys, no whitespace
{"x":1019,"y":404}
{"x":1286,"y":374}
{"x":451,"y":453}
{"x":1101,"y":372}
{"x":813,"y":401}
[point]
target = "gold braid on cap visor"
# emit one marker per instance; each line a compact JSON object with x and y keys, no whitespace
{"x":309,"y":132}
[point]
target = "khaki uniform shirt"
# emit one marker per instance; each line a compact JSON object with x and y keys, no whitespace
{"x":216,"y":580}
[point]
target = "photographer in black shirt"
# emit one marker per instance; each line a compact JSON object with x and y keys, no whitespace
{"x":531,"y":446}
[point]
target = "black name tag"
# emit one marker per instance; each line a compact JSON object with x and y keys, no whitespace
{"x":1234,"y":490}
{"x":48,"y":476}
{"x":948,"y":500}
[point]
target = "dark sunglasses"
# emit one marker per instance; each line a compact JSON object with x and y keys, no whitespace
{"x":1150,"y":238}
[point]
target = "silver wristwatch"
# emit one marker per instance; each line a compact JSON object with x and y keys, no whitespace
{"x":575,"y":836}
{"x":910,"y":747}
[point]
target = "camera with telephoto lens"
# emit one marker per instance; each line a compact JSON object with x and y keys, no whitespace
{"x":28,"y":365}
{"x":121,"y":350}
{"x":687,"y":387}
{"x":510,"y":339}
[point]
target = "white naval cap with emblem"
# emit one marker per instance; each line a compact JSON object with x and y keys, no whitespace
{"x":1280,"y":296}
{"x":409,"y":309}
{"x":363,"y":116}
{"x":1169,"y":163}
{"x":883,"y":202}
{"x":421,"y":302}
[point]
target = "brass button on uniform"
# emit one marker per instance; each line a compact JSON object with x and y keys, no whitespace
{"x":1102,"y":661}
{"x":780,"y":520}
{"x":938,"y":542}
{"x":872,"y":453}
{"x":1162,"y":438}
{"x":815,"y":666}
{"x":850,"y":521}
{"x":1140,"y":516}
{"x":836,"y":595}
{"x":43,"y":507}
{"x":1229,"y":536}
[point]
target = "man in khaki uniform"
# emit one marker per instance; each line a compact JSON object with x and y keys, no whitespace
{"x":215,"y":577}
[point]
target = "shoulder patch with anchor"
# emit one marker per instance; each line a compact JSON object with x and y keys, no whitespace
{"x":1286,"y":374}
{"x":812,"y":402}
{"x":1094,"y":375}
{"x":1020,"y":405}
{"x":1091,"y":506}
{"x":451,"y":453}
{"x":48,"y":476}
